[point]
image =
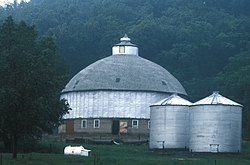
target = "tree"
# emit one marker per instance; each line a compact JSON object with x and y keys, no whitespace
{"x":31,"y":79}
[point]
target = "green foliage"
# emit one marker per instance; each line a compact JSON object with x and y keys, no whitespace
{"x":30,"y":83}
{"x":86,"y":30}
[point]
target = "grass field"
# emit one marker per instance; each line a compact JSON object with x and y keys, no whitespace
{"x":127,"y":155}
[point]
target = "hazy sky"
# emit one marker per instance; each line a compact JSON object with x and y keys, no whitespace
{"x":2,"y":2}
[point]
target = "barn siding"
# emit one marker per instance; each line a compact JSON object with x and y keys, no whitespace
{"x":111,"y":104}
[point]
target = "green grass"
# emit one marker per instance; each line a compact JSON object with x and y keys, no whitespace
{"x":126,"y":155}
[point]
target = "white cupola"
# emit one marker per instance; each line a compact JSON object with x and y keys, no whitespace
{"x":125,"y":47}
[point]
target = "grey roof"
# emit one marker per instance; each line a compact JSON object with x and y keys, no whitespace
{"x":216,"y":99}
{"x":174,"y":99}
{"x":125,"y":41}
{"x":125,"y":44}
{"x":125,"y":72}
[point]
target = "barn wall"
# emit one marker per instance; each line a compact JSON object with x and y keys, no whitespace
{"x":105,"y":126}
{"x":111,"y":104}
{"x":105,"y":130}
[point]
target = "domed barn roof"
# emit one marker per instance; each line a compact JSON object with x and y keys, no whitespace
{"x":125,"y":71}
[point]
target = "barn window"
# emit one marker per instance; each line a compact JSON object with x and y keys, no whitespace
{"x":84,"y":124}
{"x":121,"y":49}
{"x":149,"y":124}
{"x":96,"y":123}
{"x":163,"y":83}
{"x":117,"y":80}
{"x":76,"y":83}
{"x":135,"y":123}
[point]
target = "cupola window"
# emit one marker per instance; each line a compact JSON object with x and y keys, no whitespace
{"x":121,"y":49}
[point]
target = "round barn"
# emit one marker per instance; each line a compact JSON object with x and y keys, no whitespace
{"x":111,"y":97}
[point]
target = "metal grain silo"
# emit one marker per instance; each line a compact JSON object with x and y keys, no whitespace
{"x":215,"y":125}
{"x":169,"y":126}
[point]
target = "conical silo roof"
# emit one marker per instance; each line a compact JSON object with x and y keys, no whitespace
{"x":215,"y":99}
{"x":173,"y":100}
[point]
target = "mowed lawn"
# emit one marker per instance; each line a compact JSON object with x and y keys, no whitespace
{"x":127,"y":155}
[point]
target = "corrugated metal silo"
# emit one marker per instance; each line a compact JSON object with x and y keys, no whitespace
{"x":169,"y":126}
{"x":215,"y":125}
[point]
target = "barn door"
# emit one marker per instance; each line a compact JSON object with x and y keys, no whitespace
{"x":123,"y":127}
{"x":69,"y":126}
{"x":115,"y":127}
{"x":214,"y":148}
